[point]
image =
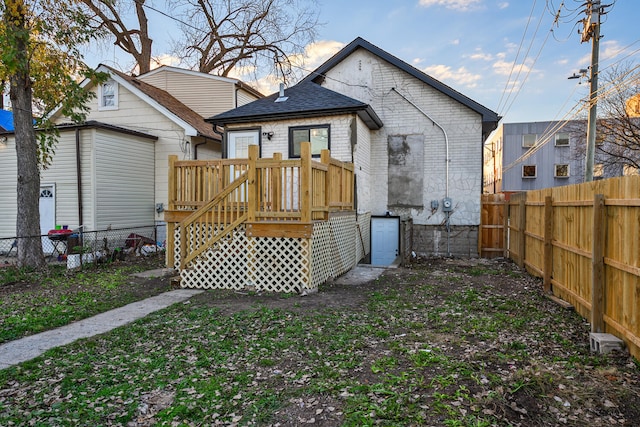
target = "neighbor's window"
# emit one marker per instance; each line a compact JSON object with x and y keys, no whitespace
{"x":318,"y":136}
{"x":562,"y":139}
{"x":108,"y":95}
{"x":529,"y":171}
{"x":561,"y":171}
{"x":529,"y":140}
{"x":598,"y":170}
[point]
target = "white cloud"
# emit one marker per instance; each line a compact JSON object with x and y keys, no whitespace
{"x":165,"y":59}
{"x":503,"y":67}
{"x":503,"y":5}
{"x":317,"y":53}
{"x":455,"y":42}
{"x":479,"y":55}
{"x":461,"y":76}
{"x":461,"y":5}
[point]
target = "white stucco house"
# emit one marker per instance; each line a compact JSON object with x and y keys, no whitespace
{"x":416,"y":145}
{"x":112,"y":169}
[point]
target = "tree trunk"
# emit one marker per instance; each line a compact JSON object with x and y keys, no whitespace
{"x":28,"y":188}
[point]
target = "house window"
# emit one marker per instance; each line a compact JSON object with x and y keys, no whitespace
{"x":562,"y":139}
{"x":628,"y":170}
{"x":598,"y":170}
{"x":529,"y":140}
{"x":529,"y":171}
{"x":317,"y":135}
{"x":561,"y":171}
{"x":108,"y":95}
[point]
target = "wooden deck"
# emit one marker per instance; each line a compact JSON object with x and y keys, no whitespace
{"x":271,"y":197}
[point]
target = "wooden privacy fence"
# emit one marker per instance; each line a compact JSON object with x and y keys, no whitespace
{"x":492,"y":236}
{"x":584,"y":240}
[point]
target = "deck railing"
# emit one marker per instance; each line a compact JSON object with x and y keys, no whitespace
{"x":265,"y":191}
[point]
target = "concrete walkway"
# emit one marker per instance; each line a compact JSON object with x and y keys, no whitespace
{"x":18,"y":351}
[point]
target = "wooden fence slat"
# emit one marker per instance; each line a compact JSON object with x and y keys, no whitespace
{"x":548,"y":246}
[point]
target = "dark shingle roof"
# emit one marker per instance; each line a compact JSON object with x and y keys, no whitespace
{"x":490,"y":118}
{"x":306,"y":99}
{"x":172,"y":104}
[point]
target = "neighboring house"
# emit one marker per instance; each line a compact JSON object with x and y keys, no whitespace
{"x":536,"y":155}
{"x":112,"y":170}
{"x":415,"y":142}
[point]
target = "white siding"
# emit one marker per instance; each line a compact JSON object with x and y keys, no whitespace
{"x":8,"y":171}
{"x":362,"y":164}
{"x":63,"y":173}
{"x":135,"y":114}
{"x":243,"y":97}
{"x":205,"y":95}
{"x":124,"y":180}
{"x":340,"y":143}
{"x":463,"y":126}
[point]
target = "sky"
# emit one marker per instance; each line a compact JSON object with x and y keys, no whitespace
{"x":508,"y":55}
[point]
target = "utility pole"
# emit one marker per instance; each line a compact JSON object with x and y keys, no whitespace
{"x":591,"y":32}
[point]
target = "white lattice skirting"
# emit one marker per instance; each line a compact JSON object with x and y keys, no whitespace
{"x":276,"y":264}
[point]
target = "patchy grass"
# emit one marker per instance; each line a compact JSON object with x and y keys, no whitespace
{"x":32,"y":302}
{"x":412,"y":348}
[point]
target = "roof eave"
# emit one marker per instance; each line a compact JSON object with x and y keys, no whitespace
{"x":368,"y":116}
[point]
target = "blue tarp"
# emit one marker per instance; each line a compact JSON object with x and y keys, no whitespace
{"x":6,"y":120}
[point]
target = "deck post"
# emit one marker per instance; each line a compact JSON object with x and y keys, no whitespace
{"x":252,"y":196}
{"x":325,"y":158}
{"x":597,"y":265}
{"x":305,"y":181}
{"x":276,"y":185}
{"x":170,"y":255}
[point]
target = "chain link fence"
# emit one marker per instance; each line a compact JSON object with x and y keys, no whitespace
{"x":94,"y":245}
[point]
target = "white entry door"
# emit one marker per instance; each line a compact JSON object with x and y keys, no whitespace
{"x":385,"y":237}
{"x":47,"y":215}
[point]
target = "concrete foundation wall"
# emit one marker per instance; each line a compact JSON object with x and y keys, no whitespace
{"x":431,"y":240}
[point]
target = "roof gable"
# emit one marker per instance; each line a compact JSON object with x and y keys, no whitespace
{"x":318,"y":75}
{"x":306,"y":99}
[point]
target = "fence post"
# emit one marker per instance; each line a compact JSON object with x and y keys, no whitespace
{"x":505,"y":229}
{"x":522,"y":228}
{"x":548,"y":245}
{"x":252,"y":187}
{"x":597,"y":263}
{"x":170,"y":254}
{"x":305,"y":181}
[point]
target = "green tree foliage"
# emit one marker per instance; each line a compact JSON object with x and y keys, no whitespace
{"x":41,"y":60}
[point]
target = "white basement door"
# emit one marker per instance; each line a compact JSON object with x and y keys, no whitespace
{"x":385,"y":237}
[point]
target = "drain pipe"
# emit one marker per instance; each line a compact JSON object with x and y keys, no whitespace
{"x":446,"y":161}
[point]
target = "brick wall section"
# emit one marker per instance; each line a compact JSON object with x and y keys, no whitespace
{"x":370,"y":79}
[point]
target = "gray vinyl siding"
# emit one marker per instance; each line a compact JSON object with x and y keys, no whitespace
{"x":544,"y":158}
{"x":124,"y":181}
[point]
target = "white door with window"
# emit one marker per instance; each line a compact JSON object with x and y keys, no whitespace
{"x":47,"y":215}
{"x":238,"y":148}
{"x":385,"y":236}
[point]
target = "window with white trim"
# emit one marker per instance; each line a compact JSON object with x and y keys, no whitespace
{"x":108,"y":95}
{"x":529,"y":140}
{"x":561,"y":171}
{"x":562,"y":139}
{"x":529,"y":171}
